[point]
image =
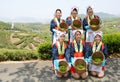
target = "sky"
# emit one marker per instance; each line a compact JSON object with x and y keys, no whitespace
{"x":44,"y":9}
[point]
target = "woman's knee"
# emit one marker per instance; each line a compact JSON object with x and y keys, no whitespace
{"x":93,"y":73}
{"x":84,"y":75}
{"x":101,"y":74}
{"x":76,"y":76}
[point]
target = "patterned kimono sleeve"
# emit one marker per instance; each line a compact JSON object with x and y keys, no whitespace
{"x":68,"y":21}
{"x":105,"y":51}
{"x":88,"y":51}
{"x":67,"y":54}
{"x":85,"y":23}
{"x":54,"y":52}
{"x":52,"y":25}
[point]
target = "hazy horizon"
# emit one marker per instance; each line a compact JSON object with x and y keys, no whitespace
{"x":44,"y":9}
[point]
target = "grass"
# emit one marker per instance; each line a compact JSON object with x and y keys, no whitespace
{"x":5,"y":40}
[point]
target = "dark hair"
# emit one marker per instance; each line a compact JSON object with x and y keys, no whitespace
{"x":77,"y":31}
{"x":74,"y":10}
{"x":88,"y":8}
{"x":98,"y":35}
{"x":58,"y":10}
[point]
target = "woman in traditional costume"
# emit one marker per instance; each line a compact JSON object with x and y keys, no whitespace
{"x":96,"y":46}
{"x":86,"y":24}
{"x":60,"y":52}
{"x":69,"y":21}
{"x":54,"y":25}
{"x":77,"y":51}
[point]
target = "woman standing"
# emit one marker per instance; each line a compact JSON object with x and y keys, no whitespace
{"x":69,"y":21}
{"x":54,"y":25}
{"x":86,"y":24}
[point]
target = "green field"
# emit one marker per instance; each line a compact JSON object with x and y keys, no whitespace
{"x":111,"y":26}
{"x":24,"y":35}
{"x":30,"y":35}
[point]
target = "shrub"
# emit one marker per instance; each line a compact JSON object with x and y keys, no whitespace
{"x":20,"y":42}
{"x":113,"y":42}
{"x":17,"y":55}
{"x":44,"y":51}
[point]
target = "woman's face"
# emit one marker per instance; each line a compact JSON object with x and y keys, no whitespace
{"x":78,"y":36}
{"x":62,"y":38}
{"x":97,"y":38}
{"x":74,"y":13}
{"x":90,"y":11}
{"x":58,"y":14}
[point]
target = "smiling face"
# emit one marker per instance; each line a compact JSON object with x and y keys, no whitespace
{"x":78,"y":36}
{"x":58,"y":14}
{"x":90,"y":11}
{"x":61,"y":38}
{"x":97,"y":38}
{"x":74,"y":13}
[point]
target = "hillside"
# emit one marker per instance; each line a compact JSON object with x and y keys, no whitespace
{"x":5,"y":26}
{"x":30,"y":35}
{"x":111,"y":25}
{"x":24,"y":35}
{"x":102,"y":15}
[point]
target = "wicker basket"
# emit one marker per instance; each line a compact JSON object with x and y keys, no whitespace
{"x":96,"y":55}
{"x":82,"y":62}
{"x":66,"y":65}
{"x":94,"y":24}
{"x":76,"y":24}
{"x":63,"y":26}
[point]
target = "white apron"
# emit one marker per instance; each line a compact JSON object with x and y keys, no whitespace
{"x":93,"y":67}
{"x":90,"y":35}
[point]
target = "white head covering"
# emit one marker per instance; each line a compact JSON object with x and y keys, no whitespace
{"x":74,"y":31}
{"x":98,"y":33}
{"x":59,"y":33}
{"x":75,"y":7}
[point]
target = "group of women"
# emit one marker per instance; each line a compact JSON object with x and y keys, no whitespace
{"x":75,"y":46}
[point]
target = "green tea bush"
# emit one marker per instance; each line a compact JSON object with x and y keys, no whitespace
{"x":44,"y":51}
{"x":113,"y":42}
{"x":17,"y":55}
{"x":20,"y":42}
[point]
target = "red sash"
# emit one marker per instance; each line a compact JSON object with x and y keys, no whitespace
{"x":78,"y":54}
{"x":61,"y":56}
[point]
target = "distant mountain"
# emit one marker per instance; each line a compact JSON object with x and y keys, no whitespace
{"x":102,"y":15}
{"x":106,"y":15}
{"x":25,"y":20}
{"x":47,"y":20}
